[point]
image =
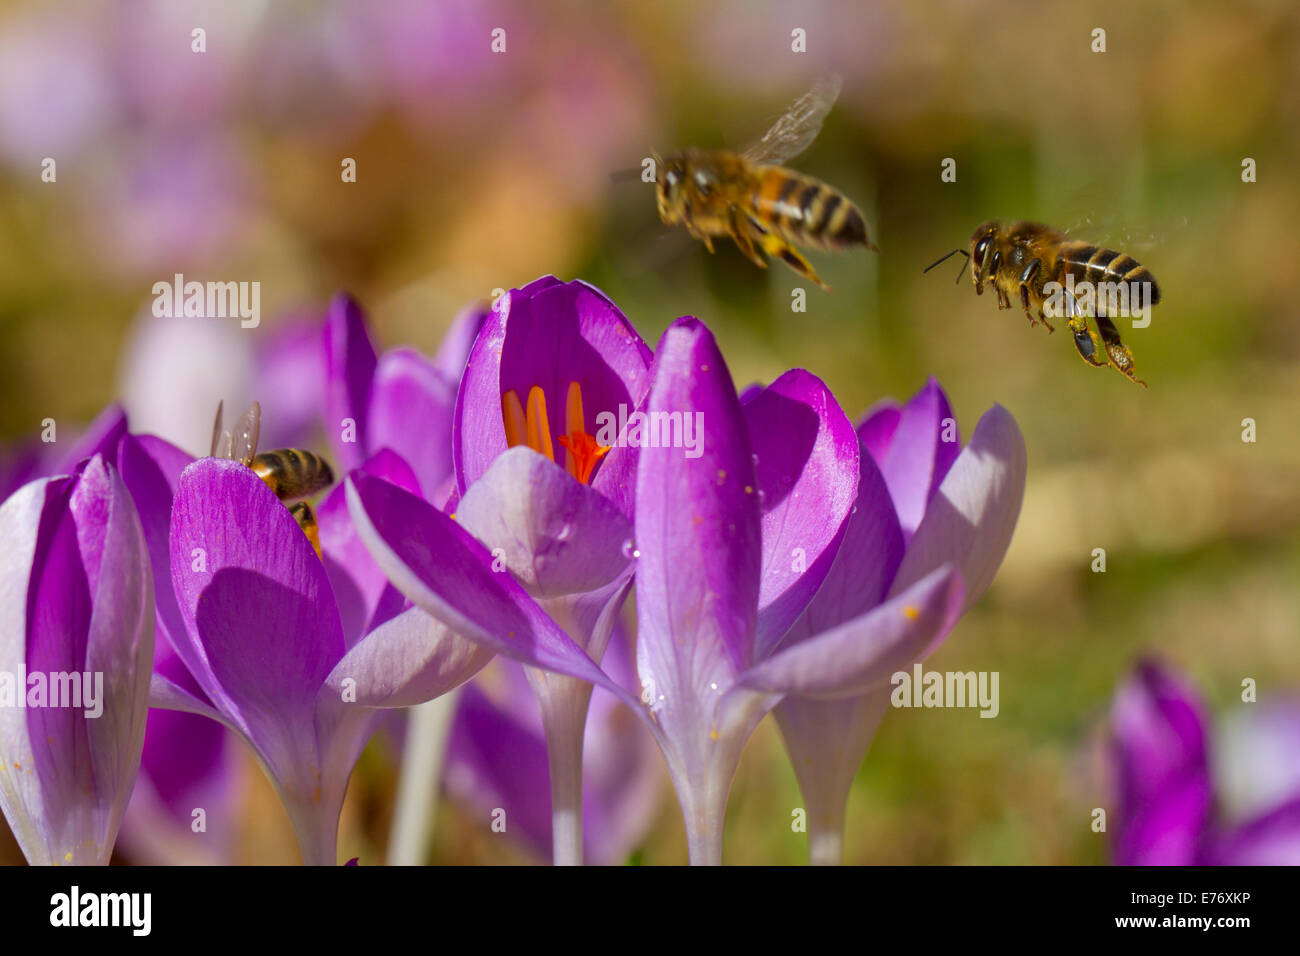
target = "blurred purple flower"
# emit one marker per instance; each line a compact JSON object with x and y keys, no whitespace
{"x":1170,"y":790}
{"x":400,"y":400}
{"x":922,"y":502}
{"x":78,"y":615}
{"x":497,"y":758}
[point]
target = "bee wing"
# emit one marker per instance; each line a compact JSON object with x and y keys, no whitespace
{"x":220,"y":437}
{"x":243,"y":437}
{"x":795,"y":131}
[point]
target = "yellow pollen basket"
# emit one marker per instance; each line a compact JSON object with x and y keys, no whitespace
{"x":530,"y":426}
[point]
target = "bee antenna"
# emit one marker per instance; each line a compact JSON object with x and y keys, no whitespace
{"x":963,"y":266}
{"x":945,"y":259}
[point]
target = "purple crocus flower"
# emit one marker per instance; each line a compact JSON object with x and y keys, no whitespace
{"x":75,"y":653}
{"x":263,"y":635}
{"x":541,"y":497}
{"x":1172,"y":792}
{"x":922,"y":501}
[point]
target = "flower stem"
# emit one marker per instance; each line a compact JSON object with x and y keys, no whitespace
{"x":704,"y":809}
{"x":423,"y":755}
{"x":563,"y":701}
{"x":317,"y":828}
{"x":825,"y":840}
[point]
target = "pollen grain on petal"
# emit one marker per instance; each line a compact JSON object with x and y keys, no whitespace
{"x":911,"y":613}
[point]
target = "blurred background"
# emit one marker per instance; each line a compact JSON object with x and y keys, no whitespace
{"x":479,"y":171}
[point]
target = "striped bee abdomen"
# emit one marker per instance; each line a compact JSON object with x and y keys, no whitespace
{"x":293,"y":473}
{"x":1096,"y":265}
{"x":806,"y":210}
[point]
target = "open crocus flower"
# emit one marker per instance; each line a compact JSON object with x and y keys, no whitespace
{"x":922,"y":501}
{"x":262,"y":634}
{"x":75,"y":653}
{"x":733,"y":546}
{"x":400,"y":400}
{"x":551,"y":364}
{"x":1170,"y":782}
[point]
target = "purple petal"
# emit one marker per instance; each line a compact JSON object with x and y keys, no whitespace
{"x":865,"y":563}
{"x":75,"y":571}
{"x":151,"y":469}
{"x":698,"y":531}
{"x":549,"y":334}
{"x":922,"y":449}
{"x":100,"y":438}
{"x":290,"y":377}
{"x":405,"y":661}
{"x":410,"y":413}
{"x":1272,"y":839}
{"x":555,"y":534}
{"x":364,"y":596}
{"x":806,"y":466}
{"x":442,"y":569}
{"x":263,"y":628}
{"x":970,"y":521}
{"x":861,"y":654}
{"x":349,"y":371}
{"x":1159,"y":749}
{"x":877,"y":426}
{"x":453,"y":351}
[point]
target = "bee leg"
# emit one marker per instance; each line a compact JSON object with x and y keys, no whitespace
{"x":1026,"y":277}
{"x":744,"y":242}
{"x":774,"y":245}
{"x":1119,"y":354}
{"x":1087,"y":342}
{"x":306,"y":518}
{"x":1004,"y":301}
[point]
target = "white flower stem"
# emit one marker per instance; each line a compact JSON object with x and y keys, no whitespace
{"x":826,"y":840}
{"x":428,"y":728}
{"x":563,"y":701}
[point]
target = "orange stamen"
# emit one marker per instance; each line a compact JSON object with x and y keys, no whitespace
{"x":530,"y":426}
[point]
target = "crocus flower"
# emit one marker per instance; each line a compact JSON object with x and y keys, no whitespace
{"x":263,"y":635}
{"x":922,"y":501}
{"x":542,"y":498}
{"x":75,"y":653}
{"x":1170,"y":789}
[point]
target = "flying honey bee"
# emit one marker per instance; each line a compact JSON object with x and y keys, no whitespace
{"x":751,"y":197}
{"x":1023,"y":259}
{"x":291,"y":473}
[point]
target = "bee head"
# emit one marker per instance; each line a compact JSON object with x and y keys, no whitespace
{"x":982,"y":242}
{"x":672,"y":188}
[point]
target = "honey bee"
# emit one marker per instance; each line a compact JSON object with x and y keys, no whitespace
{"x":291,"y":473}
{"x":1023,"y":259}
{"x":751,"y":197}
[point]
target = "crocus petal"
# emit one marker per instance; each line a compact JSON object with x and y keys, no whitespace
{"x":407,"y":660}
{"x":100,"y":438}
{"x":290,"y":379}
{"x":349,"y":371}
{"x":1272,"y":839}
{"x":262,"y":627}
{"x":442,"y":569}
{"x":453,"y":351}
{"x":877,"y":426}
{"x":555,"y":534}
{"x":861,"y":654}
{"x":1159,"y":749}
{"x":970,"y":521}
{"x":550,"y":334}
{"x":364,"y":596}
{"x":411,"y":405}
{"x":151,"y":469}
{"x":865,"y":563}
{"x":806,"y":466}
{"x":77,"y":593}
{"x":922,"y":449}
{"x":698,"y":531}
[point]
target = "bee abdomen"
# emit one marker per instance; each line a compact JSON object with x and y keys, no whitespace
{"x":292,"y":472}
{"x":1096,"y":265}
{"x":809,"y":211}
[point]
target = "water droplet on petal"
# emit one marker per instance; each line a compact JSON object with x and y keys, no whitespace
{"x":629,"y":550}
